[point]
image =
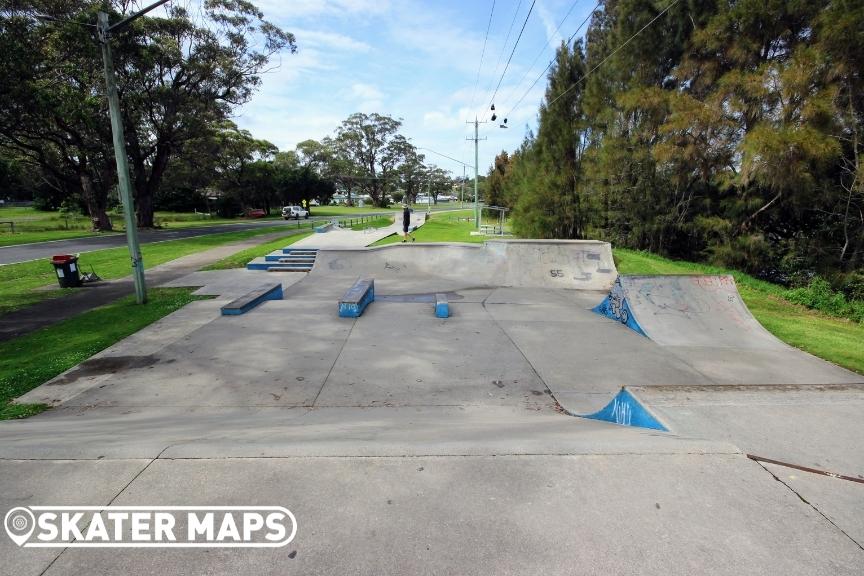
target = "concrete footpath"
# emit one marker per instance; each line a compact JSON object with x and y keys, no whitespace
{"x":409,"y":444}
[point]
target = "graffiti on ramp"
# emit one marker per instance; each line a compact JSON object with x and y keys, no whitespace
{"x":616,"y":307}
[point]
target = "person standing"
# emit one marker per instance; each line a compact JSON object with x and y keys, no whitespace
{"x":406,"y":223}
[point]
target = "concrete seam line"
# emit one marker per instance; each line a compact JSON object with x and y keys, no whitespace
{"x":335,"y":360}
{"x":524,"y":357}
{"x":805,"y":501}
{"x":805,"y":468}
{"x":113,"y":498}
{"x":426,"y":455}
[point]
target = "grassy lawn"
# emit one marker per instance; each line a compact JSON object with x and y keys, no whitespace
{"x":443,"y":227}
{"x":834,"y":339}
{"x":380,"y":222}
{"x":240,"y":259}
{"x":33,"y":225}
{"x":18,"y":281}
{"x":28,"y":361}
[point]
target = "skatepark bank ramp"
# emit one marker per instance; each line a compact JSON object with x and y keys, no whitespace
{"x":571,"y":264}
{"x":686,"y":310}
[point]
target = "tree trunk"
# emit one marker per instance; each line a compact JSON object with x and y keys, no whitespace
{"x":145,"y":188}
{"x":96,"y":201}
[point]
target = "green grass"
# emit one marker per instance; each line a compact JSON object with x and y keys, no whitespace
{"x":33,"y":225}
{"x":19,"y":281}
{"x":28,"y":361}
{"x":348,"y":210}
{"x":240,"y":259}
{"x":380,"y":222}
{"x":833,"y":339}
{"x":443,"y":227}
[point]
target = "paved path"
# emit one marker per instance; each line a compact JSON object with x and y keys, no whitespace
{"x":338,"y":238}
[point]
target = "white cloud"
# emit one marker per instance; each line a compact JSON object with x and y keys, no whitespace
{"x":549,"y":25}
{"x":366,"y":91}
{"x":293,"y":9}
{"x":320,"y":39}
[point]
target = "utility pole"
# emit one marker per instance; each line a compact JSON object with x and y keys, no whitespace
{"x":462,"y":196}
{"x":104,"y":31}
{"x":476,"y":140}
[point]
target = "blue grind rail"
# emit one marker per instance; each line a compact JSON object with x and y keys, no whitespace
{"x":252,"y":299}
{"x":626,"y":410}
{"x":616,"y":307}
{"x":357,"y":298}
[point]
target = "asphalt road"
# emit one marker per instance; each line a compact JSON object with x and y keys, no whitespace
{"x":38,"y":250}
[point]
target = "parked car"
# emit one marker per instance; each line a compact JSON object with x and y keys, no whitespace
{"x":255,"y":213}
{"x":295,"y":212}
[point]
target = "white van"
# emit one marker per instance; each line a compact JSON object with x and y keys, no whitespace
{"x":295,"y":212}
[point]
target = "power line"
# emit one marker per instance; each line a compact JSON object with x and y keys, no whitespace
{"x":444,"y":155}
{"x":543,"y":49}
{"x":619,"y":48}
{"x":504,"y":47}
{"x":492,"y":100}
{"x":570,"y":39}
{"x":482,"y":54}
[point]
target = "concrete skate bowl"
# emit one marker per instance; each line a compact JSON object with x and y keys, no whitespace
{"x":565,"y":264}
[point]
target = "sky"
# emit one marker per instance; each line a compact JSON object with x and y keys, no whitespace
{"x":416,"y":61}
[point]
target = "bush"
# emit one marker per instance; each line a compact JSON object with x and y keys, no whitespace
{"x":820,"y":296}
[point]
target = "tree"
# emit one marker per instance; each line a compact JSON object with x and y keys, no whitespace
{"x":54,"y":113}
{"x":175,"y":77}
{"x":373,"y":145}
{"x":495,"y":191}
{"x":411,"y":175}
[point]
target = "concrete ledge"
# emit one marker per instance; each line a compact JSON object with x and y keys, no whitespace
{"x":252,"y":299}
{"x":324,"y":227}
{"x":442,"y":307}
{"x":355,"y":300}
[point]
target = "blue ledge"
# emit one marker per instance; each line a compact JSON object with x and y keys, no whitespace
{"x":626,"y":410}
{"x":252,"y":299}
{"x":357,"y":298}
{"x":442,"y":307}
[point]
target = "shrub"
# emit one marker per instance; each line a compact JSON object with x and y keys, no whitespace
{"x":820,"y":296}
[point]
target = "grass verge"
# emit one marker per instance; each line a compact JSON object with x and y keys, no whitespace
{"x":381,"y":222}
{"x":28,"y":361}
{"x":443,"y":227}
{"x":833,"y":339}
{"x":240,"y":259}
{"x":18,"y":281}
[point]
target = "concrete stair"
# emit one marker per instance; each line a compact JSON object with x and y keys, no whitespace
{"x":285,"y":260}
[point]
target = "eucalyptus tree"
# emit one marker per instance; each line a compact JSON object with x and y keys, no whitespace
{"x":372,"y":144}
{"x":178,"y":73}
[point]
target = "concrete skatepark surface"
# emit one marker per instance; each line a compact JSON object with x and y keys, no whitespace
{"x":404,"y":443}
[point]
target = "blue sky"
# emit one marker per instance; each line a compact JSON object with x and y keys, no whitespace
{"x":413,"y":60}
